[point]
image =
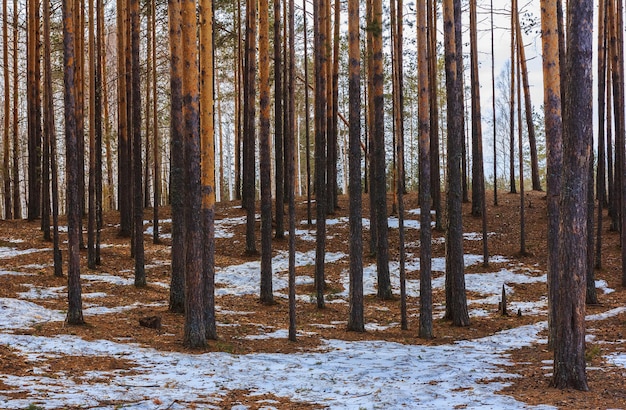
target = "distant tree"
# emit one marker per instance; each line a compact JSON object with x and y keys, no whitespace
{"x":333,"y":106}
{"x":356,"y":321}
{"x":513,"y":189}
{"x":74,"y":310}
{"x":15,"y":168}
{"x":602,"y":95}
{"x":123,"y":141}
{"x":520,"y":156}
{"x":291,"y":172}
{"x":569,"y":344}
{"x":456,"y":300}
{"x":307,"y":118}
{"x":91,"y":224}
{"x":493,"y":108}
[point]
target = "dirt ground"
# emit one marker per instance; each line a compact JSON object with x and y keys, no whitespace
{"x":605,"y":380}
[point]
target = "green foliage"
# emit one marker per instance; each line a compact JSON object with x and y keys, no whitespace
{"x":33,"y":406}
{"x":591,"y":352}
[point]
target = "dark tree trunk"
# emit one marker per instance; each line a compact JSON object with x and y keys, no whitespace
{"x":34,"y":112}
{"x":435,"y":180}
{"x":307,"y":117}
{"x":249,"y":139}
{"x":291,"y":172}
{"x":140,"y":273}
{"x":425,"y":116}
{"x":278,"y":124}
{"x":266,"y":293}
{"x":319,"y":11}
{"x":6,"y":168}
{"x":356,"y":320}
{"x":513,"y":189}
{"x":569,"y":344}
{"x":602,"y":95}
{"x":74,"y":311}
{"x":456,"y":300}
{"x":124,"y":192}
{"x":177,"y":164}
{"x":15,"y":169}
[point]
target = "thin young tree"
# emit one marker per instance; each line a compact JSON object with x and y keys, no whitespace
{"x":513,"y":189}
{"x":520,"y":156}
{"x":424,"y":117}
{"x":493,"y":109}
{"x":478,"y":174}
{"x":266,"y":294}
{"x":99,"y":59}
{"x":207,"y":147}
{"x":195,"y":325}
{"x":528,"y":107}
{"x":333,"y":108}
{"x":177,"y":164}
{"x":307,"y":116}
{"x":156,"y":144}
{"x":569,"y":344}
{"x":45,"y":171}
{"x":602,"y":95}
{"x":456,"y":299}
{"x":74,"y":310}
{"x":356,"y":320}
{"x":6,"y":168}
{"x":15,"y":168}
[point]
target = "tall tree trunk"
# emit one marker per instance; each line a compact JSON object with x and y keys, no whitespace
{"x":307,"y":117}
{"x":513,"y":189}
{"x":140,"y":273}
{"x":493,"y":109}
{"x":249,"y":141}
{"x":156,"y":145}
{"x":319,"y":12}
{"x":34,"y":112}
{"x":6,"y":176}
{"x":177,"y":165}
{"x":98,"y":122}
{"x":195,"y":325}
{"x":238,"y":104}
{"x":435,"y":180}
{"x":207,"y":147}
{"x":378,"y":153}
{"x":333,"y":110}
{"x":424,"y":117}
{"x":356,"y":320}
{"x":520,"y":156}
{"x":91,"y":224}
{"x":278,"y":124}
{"x":123,"y":174}
{"x":569,"y":345}
{"x":528,"y":108}
{"x":266,"y":293}
{"x":602,"y":95}
{"x":74,"y":310}
{"x":456,"y":300}
{"x":290,"y":142}
{"x":15,"y":173}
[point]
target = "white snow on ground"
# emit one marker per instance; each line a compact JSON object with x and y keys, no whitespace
{"x":10,"y":252}
{"x":367,"y":375}
{"x":244,"y":279}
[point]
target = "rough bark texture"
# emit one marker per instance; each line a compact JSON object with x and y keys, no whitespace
{"x":74,"y":310}
{"x":319,"y":11}
{"x":278,"y":124}
{"x":195,"y":327}
{"x":456,"y":300}
{"x":6,"y":176}
{"x":34,"y":112}
{"x":140,"y":273}
{"x":424,"y":114}
{"x":177,"y":194}
{"x":435,"y":180}
{"x":264,"y":148}
{"x":249,"y":138}
{"x":356,"y":320}
{"x":291,"y":172}
{"x":478,"y":174}
{"x":569,"y":343}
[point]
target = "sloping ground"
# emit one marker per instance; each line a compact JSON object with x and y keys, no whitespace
{"x":497,"y":362}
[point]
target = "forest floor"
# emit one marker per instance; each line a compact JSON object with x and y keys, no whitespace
{"x":247,"y":328}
